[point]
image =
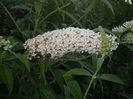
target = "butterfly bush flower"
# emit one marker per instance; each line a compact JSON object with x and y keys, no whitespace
{"x":119,"y":29}
{"x":127,"y":30}
{"x":62,"y":41}
{"x":127,"y":26}
{"x":5,"y":44}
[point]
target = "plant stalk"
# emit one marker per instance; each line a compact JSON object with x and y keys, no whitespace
{"x":92,"y":79}
{"x":89,"y":86}
{"x":35,"y":27}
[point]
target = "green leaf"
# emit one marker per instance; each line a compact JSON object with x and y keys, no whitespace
{"x":42,"y":1}
{"x":67,"y":92}
{"x":88,"y":66}
{"x":43,"y":68}
{"x":7,"y":77}
{"x":48,"y":94}
{"x":110,"y":77}
{"x":130,"y":47}
{"x":75,"y":89}
{"x":108,"y":5}
{"x":100,"y":62}
{"x":71,"y":16}
{"x":22,"y":58}
{"x":3,"y":54}
{"x":127,"y":96}
{"x":21,"y":7}
{"x":77,"y":71}
{"x":94,"y":60}
{"x":38,"y":7}
{"x":59,"y":78}
{"x":90,"y":7}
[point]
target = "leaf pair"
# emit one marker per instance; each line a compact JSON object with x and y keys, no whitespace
{"x":83,"y":72}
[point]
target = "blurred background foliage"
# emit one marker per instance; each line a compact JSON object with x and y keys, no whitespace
{"x":23,"y":19}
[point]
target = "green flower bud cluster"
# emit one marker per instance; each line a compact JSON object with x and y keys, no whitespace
{"x":106,"y":42}
{"x":5,"y":44}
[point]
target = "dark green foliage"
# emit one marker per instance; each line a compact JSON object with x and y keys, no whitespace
{"x":68,"y":77}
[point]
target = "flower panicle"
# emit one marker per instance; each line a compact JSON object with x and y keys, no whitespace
{"x":62,"y":41}
{"x":123,"y":28}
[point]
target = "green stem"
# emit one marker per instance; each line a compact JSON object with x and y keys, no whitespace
{"x":89,"y":86}
{"x":92,"y":79}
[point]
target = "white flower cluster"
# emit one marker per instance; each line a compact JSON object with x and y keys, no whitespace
{"x":119,"y":29}
{"x":126,"y":26}
{"x":129,"y":1}
{"x":62,"y":41}
{"x":128,"y":38}
{"x":5,"y":44}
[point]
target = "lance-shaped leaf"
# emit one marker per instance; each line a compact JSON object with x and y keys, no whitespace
{"x":77,"y":71}
{"x":110,"y":77}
